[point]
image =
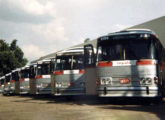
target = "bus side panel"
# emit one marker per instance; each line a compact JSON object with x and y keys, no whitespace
{"x":52,"y":84}
{"x":17,"y":87}
{"x":33,"y":86}
{"x":90,"y":77}
{"x":161,"y":68}
{"x":162,"y":72}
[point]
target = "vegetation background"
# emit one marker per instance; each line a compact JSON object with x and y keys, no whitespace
{"x":11,"y":57}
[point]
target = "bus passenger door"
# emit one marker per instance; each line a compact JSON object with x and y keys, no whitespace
{"x":90,"y":70}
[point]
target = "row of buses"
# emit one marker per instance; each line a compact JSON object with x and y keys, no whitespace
{"x":129,"y":63}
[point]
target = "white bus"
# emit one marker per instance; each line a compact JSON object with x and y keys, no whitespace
{"x":128,"y":63}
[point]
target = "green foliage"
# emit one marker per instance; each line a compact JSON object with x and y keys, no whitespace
{"x":11,"y":57}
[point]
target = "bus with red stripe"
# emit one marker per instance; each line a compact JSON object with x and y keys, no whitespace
{"x":24,"y":80}
{"x":43,"y":77}
{"x":40,"y":77}
{"x":68,"y":77}
{"x":127,"y":64}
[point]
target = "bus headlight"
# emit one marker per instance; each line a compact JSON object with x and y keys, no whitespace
{"x":106,"y":80}
{"x":58,"y":85}
{"x":39,"y":86}
{"x":146,"y":81}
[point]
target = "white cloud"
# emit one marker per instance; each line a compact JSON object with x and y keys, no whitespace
{"x":51,"y":32}
{"x":27,"y":11}
{"x":31,"y":7}
{"x":33,"y":51}
{"x":118,"y":27}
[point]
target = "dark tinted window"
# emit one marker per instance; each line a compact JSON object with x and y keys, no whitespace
{"x":126,"y":49}
{"x":43,"y":69}
{"x":69,"y":62}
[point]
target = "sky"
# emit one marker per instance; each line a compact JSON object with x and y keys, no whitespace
{"x":45,"y":26}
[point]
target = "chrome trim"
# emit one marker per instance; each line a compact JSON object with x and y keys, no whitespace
{"x":128,"y":88}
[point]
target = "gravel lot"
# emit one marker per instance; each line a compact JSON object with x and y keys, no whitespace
{"x":81,"y":108}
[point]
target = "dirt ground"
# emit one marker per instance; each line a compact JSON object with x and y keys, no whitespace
{"x":81,"y":108}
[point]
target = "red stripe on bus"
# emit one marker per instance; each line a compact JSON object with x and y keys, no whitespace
{"x":12,"y":81}
{"x":59,"y":72}
{"x":6,"y":83}
{"x":21,"y":79}
{"x":81,"y":71}
{"x":146,"y":62}
{"x":104,"y":64}
{"x":38,"y":77}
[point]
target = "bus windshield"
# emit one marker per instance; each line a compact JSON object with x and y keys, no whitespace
{"x":43,"y":69}
{"x":8,"y":78}
{"x":15,"y":76}
{"x":25,"y":73}
{"x":126,"y":49}
{"x":2,"y":81}
{"x":69,"y":62}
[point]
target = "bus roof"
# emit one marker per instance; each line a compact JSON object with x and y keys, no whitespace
{"x":3,"y":77}
{"x":70,"y":51}
{"x":8,"y":74}
{"x":131,"y":31}
{"x":44,"y":61}
{"x":18,"y":69}
{"x":25,"y":67}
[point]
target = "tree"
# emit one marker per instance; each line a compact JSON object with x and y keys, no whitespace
{"x":11,"y":57}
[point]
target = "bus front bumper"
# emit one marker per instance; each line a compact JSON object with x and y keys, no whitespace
{"x":44,"y":90}
{"x":69,"y":91}
{"x":128,"y":92}
{"x":24,"y":91}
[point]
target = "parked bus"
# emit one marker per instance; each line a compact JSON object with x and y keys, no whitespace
{"x":43,"y":77}
{"x":2,"y":80}
{"x":129,"y":63}
{"x":68,"y":76}
{"x":6,"y":90}
{"x":40,"y":78}
{"x":24,"y":80}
